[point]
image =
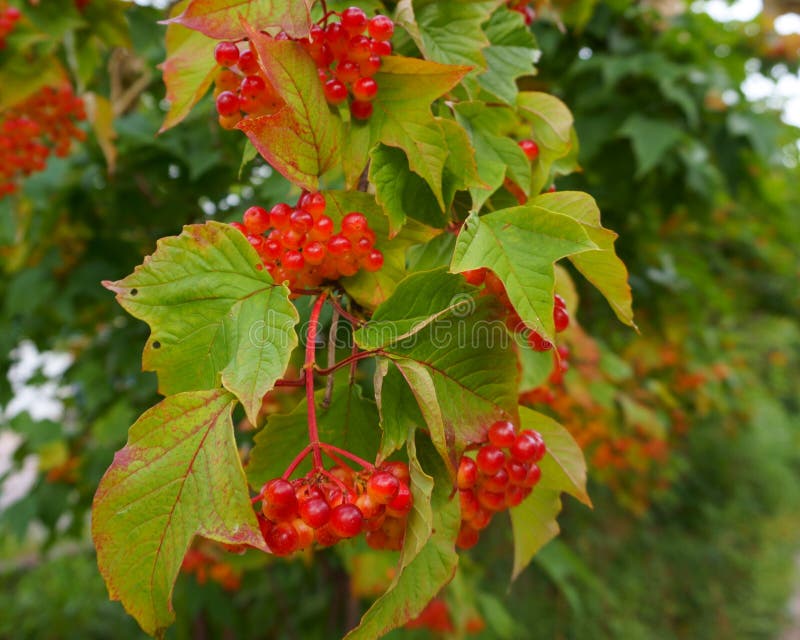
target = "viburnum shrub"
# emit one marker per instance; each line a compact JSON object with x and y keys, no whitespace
{"x":421,"y":231}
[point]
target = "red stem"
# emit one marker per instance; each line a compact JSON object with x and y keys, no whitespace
{"x":310,"y":362}
{"x":300,"y":382}
{"x":296,"y":462}
{"x":348,"y":360}
{"x":346,"y":314}
{"x":329,"y":449}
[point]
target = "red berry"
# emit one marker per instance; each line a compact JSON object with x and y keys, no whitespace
{"x":490,"y":460}
{"x":534,"y":473}
{"x":475,"y":276}
{"x":381,"y":27}
{"x":359,"y":49}
{"x":467,"y":536}
{"x":293,"y":239}
{"x":314,"y":203}
{"x":314,"y":252}
{"x":398,"y":469}
{"x":381,"y":48}
{"x":515,"y":495}
{"x":248,"y":63}
{"x":272,"y":249}
{"x":315,"y":512}
{"x":401,"y":504}
{"x":560,"y":318}
{"x":467,"y":473}
{"x":370,"y":66}
{"x":301,"y":221}
{"x":253,"y":86}
{"x":530,"y":149}
{"x":228,"y":103}
{"x":226,"y":54}
{"x":354,"y":20}
{"x":491,"y":500}
{"x":382,"y":487}
{"x":335,"y":91}
{"x":517,"y":471}
{"x":365,"y":89}
{"x":346,"y":520}
{"x":528,"y":447}
{"x":502,"y":434}
{"x":256,"y":219}
{"x":282,"y":539}
{"x":538,"y":342}
{"x":279,"y":215}
{"x":374,"y":261}
{"x":361,"y":110}
{"x":293,"y":260}
{"x":280,"y":502}
{"x":338,"y":245}
{"x":559,"y":301}
{"x":353,"y":224}
{"x":346,"y":71}
{"x":498,"y":482}
{"x":240,"y":227}
{"x":323,"y":228}
{"x":481,"y":519}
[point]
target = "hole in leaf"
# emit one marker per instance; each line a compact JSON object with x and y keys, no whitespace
{"x":156,"y":345}
{"x":134,"y":292}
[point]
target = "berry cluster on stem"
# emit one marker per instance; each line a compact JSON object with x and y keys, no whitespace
{"x":41,"y":125}
{"x":502,"y":473}
{"x":300,"y":244}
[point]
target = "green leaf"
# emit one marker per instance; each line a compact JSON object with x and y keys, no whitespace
{"x":302,"y":139}
{"x":223,"y":19}
{"x":449,"y":31}
{"x":214,"y":316}
{"x":497,"y":154}
{"x":400,"y":415}
{"x":402,"y":118}
{"x":370,"y":289}
{"x":178,"y":476}
{"x":402,"y":192}
{"x":453,"y":352}
{"x":552,"y":130}
{"x":601,"y":267}
{"x":520,"y":245}
{"x":563,"y":470}
{"x":511,"y":54}
{"x":650,"y":139}
{"x":350,"y":422}
{"x":422,"y":573}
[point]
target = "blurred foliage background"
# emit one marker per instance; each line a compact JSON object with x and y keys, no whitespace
{"x":691,"y":427}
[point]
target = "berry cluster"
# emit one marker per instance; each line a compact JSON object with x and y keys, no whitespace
{"x":241,"y":88}
{"x":32,"y":130}
{"x":348,"y":54}
{"x":494,"y":286}
{"x":8,"y":20}
{"x":501,"y":475}
{"x":326,"y":507}
{"x":523,"y":7}
{"x":299,"y":244}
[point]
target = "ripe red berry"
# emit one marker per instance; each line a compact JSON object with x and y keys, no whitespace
{"x":359,"y":49}
{"x":353,"y":224}
{"x":282,"y":539}
{"x":467,"y":473}
{"x":560,"y":318}
{"x":226,"y":54}
{"x":517,"y":471}
{"x":491,"y":500}
{"x":515,"y":495}
{"x":538,"y":342}
{"x":228,"y":103}
{"x":374,"y":261}
{"x":361,"y":110}
{"x":256,"y":219}
{"x":534,"y":473}
{"x":293,"y":260}
{"x":314,"y":203}
{"x":502,"y":434}
{"x":365,"y":89}
{"x":498,"y":482}
{"x":475,"y":276}
{"x":253,"y":86}
{"x":381,"y":48}
{"x":293,"y":239}
{"x":490,"y":460}
{"x":338,"y":245}
{"x":315,"y":512}
{"x":346,"y":520}
{"x":528,"y":447}
{"x":398,"y":469}
{"x":248,"y":63}
{"x":280,"y":502}
{"x":467,"y":536}
{"x":323,"y":228}
{"x":381,"y":28}
{"x":347,"y":71}
{"x":354,"y":20}
{"x":335,"y":91}
{"x":239,"y":227}
{"x":530,"y":149}
{"x":382,"y":487}
{"x":314,"y":252}
{"x":370,"y":66}
{"x":301,"y":221}
{"x":401,"y":504}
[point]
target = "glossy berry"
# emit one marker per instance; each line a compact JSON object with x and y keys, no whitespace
{"x":314,"y":252}
{"x":315,"y":512}
{"x":248,"y":63}
{"x":402,"y":502}
{"x":346,"y":520}
{"x":354,"y":224}
{"x":227,"y":103}
{"x":301,"y":221}
{"x":502,"y":434}
{"x":347,"y":71}
{"x":398,"y":469}
{"x":374,"y":261}
{"x":560,"y":318}
{"x":256,"y":219}
{"x":528,"y":447}
{"x":323,"y":228}
{"x":361,"y":110}
{"x":381,"y":48}
{"x":253,"y":86}
{"x":382,"y":487}
{"x":530,"y":149}
{"x":467,"y":473}
{"x":475,"y":276}
{"x":490,"y":460}
{"x":335,"y":91}
{"x":314,"y":203}
{"x":226,"y":54}
{"x":365,"y":89}
{"x":280,"y":215}
{"x":538,"y":342}
{"x":381,"y":28}
{"x":354,"y":20}
{"x":338,"y":245}
{"x":282,"y":539}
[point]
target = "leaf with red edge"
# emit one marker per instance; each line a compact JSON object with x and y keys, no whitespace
{"x":221,"y":19}
{"x":303,"y":138}
{"x":188,"y":69}
{"x":178,"y":476}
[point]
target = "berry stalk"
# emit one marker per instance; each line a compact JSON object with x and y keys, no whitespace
{"x":310,"y":361}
